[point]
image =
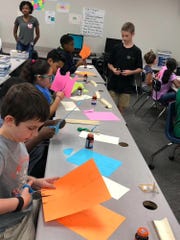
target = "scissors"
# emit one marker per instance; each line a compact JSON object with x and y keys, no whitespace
{"x":59,"y":125}
{"x":36,"y":194}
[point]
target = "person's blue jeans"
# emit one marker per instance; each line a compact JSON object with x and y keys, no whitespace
{"x":28,"y":48}
{"x":166,"y":98}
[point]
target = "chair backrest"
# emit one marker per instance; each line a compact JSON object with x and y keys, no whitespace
{"x":156,"y":85}
{"x":170,"y":123}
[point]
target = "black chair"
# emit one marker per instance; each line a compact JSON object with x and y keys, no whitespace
{"x":145,"y":92}
{"x":169,"y":131}
{"x":156,"y":85}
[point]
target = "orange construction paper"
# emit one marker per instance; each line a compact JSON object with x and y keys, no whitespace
{"x":85,"y":52}
{"x":80,"y":189}
{"x":82,"y":73}
{"x":97,"y":222}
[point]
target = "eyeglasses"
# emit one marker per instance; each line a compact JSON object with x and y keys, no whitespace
{"x":50,"y":77}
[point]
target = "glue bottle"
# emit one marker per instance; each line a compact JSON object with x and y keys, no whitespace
{"x":142,"y":234}
{"x":94,"y":100}
{"x":89,"y":141}
{"x":79,"y":91}
{"x":85,"y":78}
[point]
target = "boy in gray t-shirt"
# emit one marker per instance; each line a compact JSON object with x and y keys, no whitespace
{"x":24,"y":110}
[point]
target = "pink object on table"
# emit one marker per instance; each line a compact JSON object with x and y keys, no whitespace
{"x":101,"y":116}
{"x":63,"y":83}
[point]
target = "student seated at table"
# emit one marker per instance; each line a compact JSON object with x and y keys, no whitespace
{"x":177,"y":121}
{"x":56,"y":60}
{"x":39,"y":73}
{"x":167,"y":77}
{"x":150,"y":60}
{"x":37,"y":147}
{"x":24,"y":110}
{"x":67,"y":49}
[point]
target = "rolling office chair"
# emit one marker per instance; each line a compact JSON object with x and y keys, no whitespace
{"x":169,"y":131}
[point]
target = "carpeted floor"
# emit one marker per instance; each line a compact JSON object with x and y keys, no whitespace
{"x":166,"y":172}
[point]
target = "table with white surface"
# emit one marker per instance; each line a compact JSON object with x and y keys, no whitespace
{"x":134,"y":171}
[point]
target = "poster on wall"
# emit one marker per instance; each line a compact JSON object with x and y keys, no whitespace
{"x":50,"y":17}
{"x":93,"y":22}
{"x":75,"y":18}
{"x":63,"y":7}
{"x":38,"y":4}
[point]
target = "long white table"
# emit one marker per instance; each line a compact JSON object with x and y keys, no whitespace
{"x":133,"y":172}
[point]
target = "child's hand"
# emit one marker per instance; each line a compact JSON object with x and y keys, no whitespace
{"x":44,"y":182}
{"x":81,"y":62}
{"x":60,"y":95}
{"x":116,"y":71}
{"x":46,"y":133}
{"x":26,"y":196}
{"x":126,"y":72}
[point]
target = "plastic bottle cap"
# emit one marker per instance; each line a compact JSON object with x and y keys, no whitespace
{"x":143,"y":232}
{"x":90,"y":135}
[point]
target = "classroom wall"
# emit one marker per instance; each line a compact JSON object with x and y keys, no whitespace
{"x":157,"y":23}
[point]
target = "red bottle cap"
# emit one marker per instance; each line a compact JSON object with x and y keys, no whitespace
{"x":143,"y":232}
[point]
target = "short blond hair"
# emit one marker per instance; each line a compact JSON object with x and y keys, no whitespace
{"x":128,"y":27}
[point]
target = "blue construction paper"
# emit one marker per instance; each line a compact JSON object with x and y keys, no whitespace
{"x":68,"y":151}
{"x":105,"y":164}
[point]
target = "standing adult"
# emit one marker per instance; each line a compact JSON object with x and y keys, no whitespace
{"x":27,"y":25}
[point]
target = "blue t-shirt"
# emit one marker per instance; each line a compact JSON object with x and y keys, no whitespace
{"x":45,"y":92}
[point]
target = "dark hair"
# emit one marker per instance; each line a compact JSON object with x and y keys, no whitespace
{"x":150,"y":57}
{"x":55,"y":56}
{"x":32,"y":68}
{"x":9,"y":83}
{"x":171,"y":65}
{"x":29,"y":4}
{"x":128,"y":27}
{"x":24,"y":102}
{"x":65,"y":39}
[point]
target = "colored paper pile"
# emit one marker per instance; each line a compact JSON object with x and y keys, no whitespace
{"x":75,"y":203}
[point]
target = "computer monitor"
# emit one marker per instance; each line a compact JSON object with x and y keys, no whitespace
{"x":110,"y":44}
{"x":78,"y":41}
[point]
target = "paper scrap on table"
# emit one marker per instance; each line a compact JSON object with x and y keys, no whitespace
{"x":69,"y":106}
{"x":97,"y":222}
{"x":101,"y":137}
{"x":85,"y":51}
{"x":63,"y":83}
{"x":82,"y":73}
{"x":105,"y":164}
{"x":115,"y":189}
{"x":68,"y":151}
{"x":75,"y":192}
{"x":101,"y":116}
{"x":87,"y":66}
{"x":81,"y":98}
{"x":164,"y":229}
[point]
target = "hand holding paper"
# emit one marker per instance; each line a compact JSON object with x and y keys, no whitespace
{"x":85,"y":52}
{"x":63,"y":83}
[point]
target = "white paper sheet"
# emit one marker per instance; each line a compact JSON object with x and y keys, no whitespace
{"x":115,"y":189}
{"x":101,"y":137}
{"x":87,"y":66}
{"x":80,"y":98}
{"x":69,"y":106}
